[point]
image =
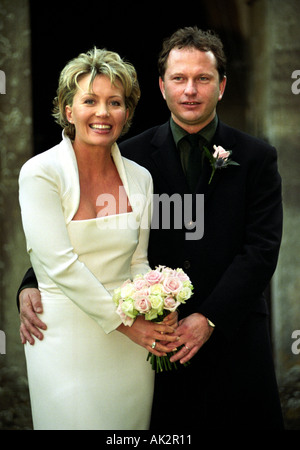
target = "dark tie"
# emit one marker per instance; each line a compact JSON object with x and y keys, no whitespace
{"x":195,"y":160}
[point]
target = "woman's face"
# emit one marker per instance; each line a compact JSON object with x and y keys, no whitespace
{"x":98,"y":115}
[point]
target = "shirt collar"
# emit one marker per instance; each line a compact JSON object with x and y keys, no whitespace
{"x":207,"y":132}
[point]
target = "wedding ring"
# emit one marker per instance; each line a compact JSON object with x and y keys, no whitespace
{"x":186,"y":347}
{"x":153,"y":345}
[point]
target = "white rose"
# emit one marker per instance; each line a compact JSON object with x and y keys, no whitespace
{"x":127,"y":290}
{"x":157,"y":303}
{"x":128,"y":308}
{"x":184,"y":294}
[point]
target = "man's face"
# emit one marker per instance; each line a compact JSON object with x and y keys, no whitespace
{"x":191,"y":87}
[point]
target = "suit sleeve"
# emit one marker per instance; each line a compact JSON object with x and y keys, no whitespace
{"x":252,"y":268}
{"x":48,"y":241}
{"x":29,"y":281}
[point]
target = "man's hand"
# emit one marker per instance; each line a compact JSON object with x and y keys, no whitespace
{"x":30,"y":306}
{"x":193,"y":331}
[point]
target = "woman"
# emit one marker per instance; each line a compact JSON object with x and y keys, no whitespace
{"x":85,"y":213}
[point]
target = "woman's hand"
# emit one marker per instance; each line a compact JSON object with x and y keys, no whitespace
{"x":146,"y":333}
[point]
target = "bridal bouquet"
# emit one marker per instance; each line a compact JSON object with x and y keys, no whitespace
{"x":154,"y":295}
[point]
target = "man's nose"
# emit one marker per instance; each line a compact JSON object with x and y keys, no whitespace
{"x":190,"y":88}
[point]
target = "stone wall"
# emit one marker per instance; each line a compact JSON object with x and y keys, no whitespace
{"x":273,"y":114}
{"x":15,"y":149}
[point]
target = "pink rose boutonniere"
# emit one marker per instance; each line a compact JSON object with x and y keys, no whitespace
{"x":219,"y":159}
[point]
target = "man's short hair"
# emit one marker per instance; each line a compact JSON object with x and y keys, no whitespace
{"x":193,"y":37}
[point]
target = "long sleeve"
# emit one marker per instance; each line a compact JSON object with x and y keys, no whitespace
{"x":29,"y":281}
{"x":140,"y":263}
{"x":47,"y":239}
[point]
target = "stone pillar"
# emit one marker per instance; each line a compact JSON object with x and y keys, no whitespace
{"x":15,"y":149}
{"x":273,"y":114}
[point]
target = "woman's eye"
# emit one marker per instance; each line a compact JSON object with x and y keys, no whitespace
{"x":89,"y":101}
{"x":115,"y":103}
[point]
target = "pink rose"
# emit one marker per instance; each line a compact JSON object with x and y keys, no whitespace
{"x":128,"y":281}
{"x":220,"y":153}
{"x":182,"y":276}
{"x":171,"y":304}
{"x":142,"y":303}
{"x":153,"y":277}
{"x":172,"y":285}
{"x":140,"y":284}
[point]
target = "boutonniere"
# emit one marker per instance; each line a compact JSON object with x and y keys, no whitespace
{"x":219,"y":159}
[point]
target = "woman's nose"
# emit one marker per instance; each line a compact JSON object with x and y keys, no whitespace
{"x":102,"y":111}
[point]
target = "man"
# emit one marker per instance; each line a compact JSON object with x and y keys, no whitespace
{"x":230,"y":382}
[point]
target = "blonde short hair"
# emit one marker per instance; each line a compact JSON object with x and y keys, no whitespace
{"x":95,"y":62}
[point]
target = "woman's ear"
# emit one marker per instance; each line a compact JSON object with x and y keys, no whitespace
{"x":69,"y":113}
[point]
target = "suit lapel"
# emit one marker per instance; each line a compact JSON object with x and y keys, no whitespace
{"x":225,"y":139}
{"x":167,"y":161}
{"x":168,"y":165}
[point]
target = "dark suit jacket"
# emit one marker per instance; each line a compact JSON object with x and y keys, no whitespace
{"x":230,"y":382}
{"x":233,"y":262}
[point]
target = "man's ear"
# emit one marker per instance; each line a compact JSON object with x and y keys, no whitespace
{"x":222,"y":87}
{"x":162,"y":87}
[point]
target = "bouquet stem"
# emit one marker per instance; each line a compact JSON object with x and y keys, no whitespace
{"x":161,"y":363}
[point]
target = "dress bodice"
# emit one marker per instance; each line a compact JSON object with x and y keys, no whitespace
{"x":106,"y":254}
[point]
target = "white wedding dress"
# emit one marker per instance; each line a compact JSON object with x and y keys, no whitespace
{"x":84,"y":375}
